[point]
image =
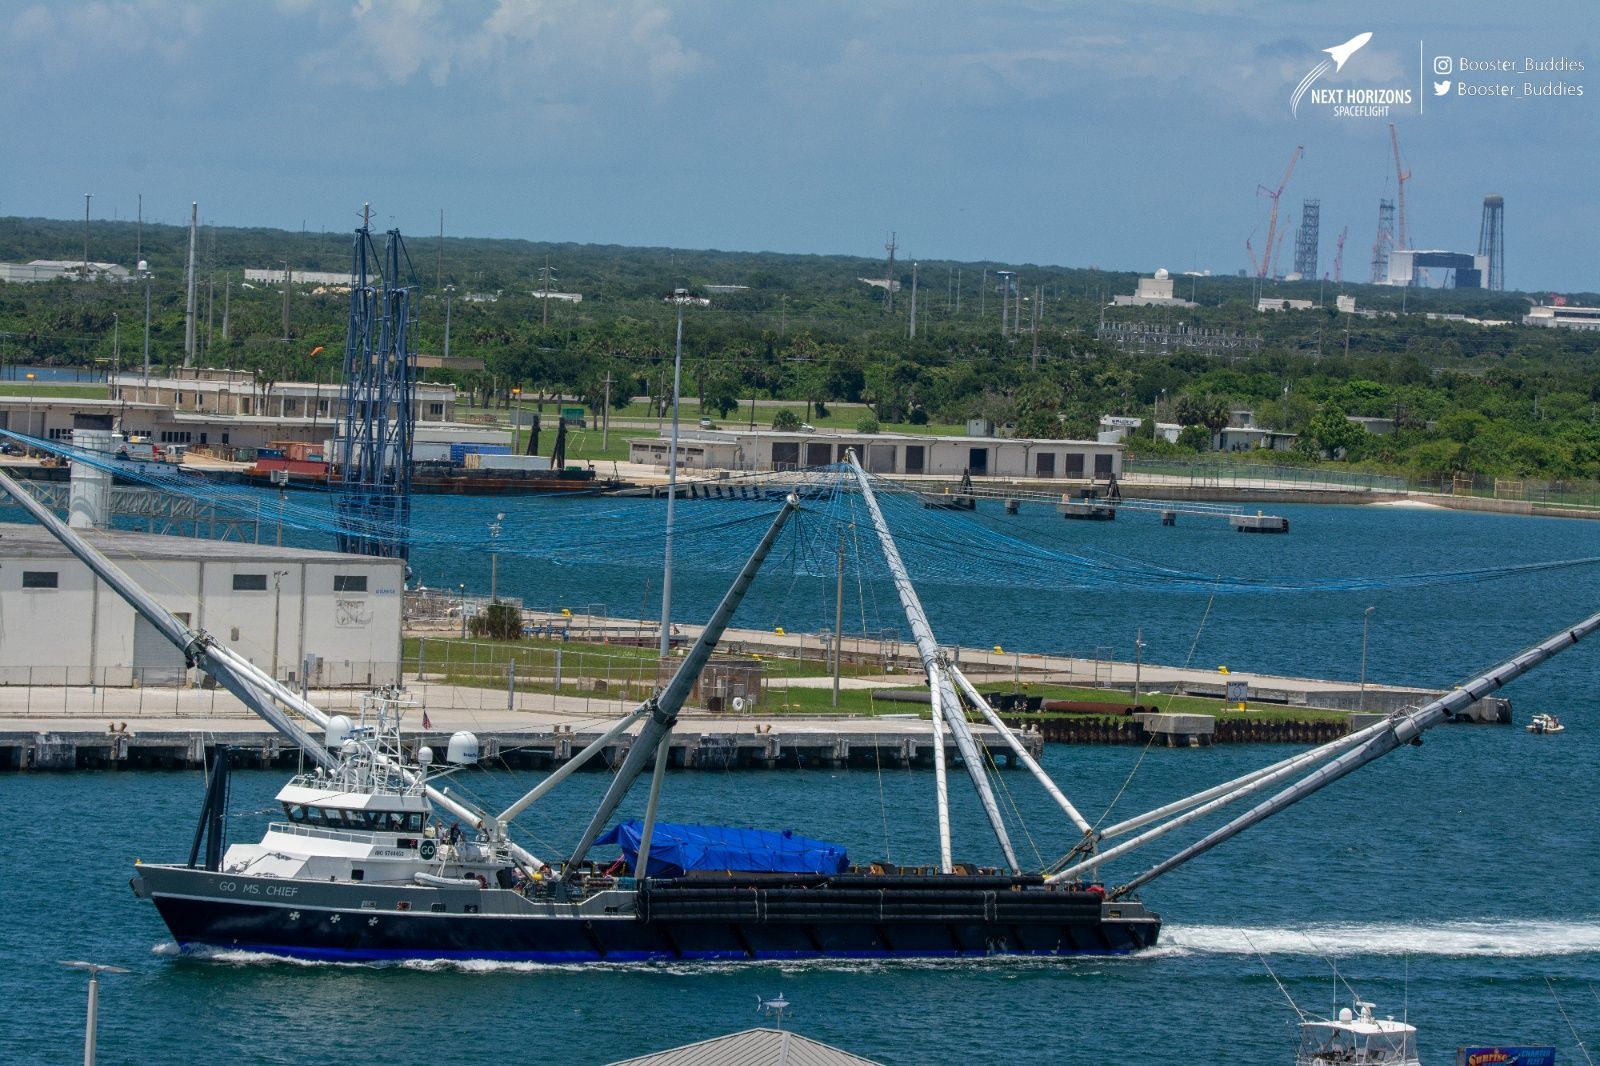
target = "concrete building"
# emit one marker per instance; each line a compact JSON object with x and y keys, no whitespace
{"x":1468,"y":270}
{"x":51,"y":417}
{"x":327,"y":618}
{"x":1243,"y":435}
{"x":240,"y":392}
{"x":1275,"y":304}
{"x":1114,"y":429}
{"x":37,"y":270}
{"x":884,"y":453}
{"x":1155,"y":291}
{"x":274,"y":276}
{"x":1565,"y":317}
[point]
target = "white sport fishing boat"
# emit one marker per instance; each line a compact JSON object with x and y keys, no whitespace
{"x":1545,"y":724}
{"x":1356,"y":1037}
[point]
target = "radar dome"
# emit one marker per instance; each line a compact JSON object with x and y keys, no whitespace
{"x":337,"y":730}
{"x":424,"y":756}
{"x":463,"y":750}
{"x":1161,"y":274}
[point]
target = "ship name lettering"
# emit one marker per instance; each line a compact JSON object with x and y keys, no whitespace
{"x":281,"y":890}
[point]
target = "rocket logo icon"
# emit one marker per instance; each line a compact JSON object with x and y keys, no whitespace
{"x":1341,"y":54}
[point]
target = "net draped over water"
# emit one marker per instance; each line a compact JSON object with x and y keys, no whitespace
{"x":713,"y":535}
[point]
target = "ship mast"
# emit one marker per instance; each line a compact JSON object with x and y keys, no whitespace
{"x":661,"y":711}
{"x":947,"y":711}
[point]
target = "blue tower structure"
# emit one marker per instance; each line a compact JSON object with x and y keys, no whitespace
{"x":380,"y":377}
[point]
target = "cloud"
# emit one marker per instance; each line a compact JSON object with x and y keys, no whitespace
{"x":519,"y":46}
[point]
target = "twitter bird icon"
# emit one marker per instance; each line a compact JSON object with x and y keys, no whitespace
{"x":1441,"y":88}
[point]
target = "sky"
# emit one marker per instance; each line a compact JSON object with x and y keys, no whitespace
{"x":1127,"y":135}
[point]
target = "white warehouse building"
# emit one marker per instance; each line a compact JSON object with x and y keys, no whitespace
{"x":322,"y":618}
{"x":885,"y":453}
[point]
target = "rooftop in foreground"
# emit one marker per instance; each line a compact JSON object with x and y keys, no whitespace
{"x":753,"y":1047}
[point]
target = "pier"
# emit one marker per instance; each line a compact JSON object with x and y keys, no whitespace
{"x":101,"y":728}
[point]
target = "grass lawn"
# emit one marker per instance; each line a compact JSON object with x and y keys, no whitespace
{"x":51,"y":390}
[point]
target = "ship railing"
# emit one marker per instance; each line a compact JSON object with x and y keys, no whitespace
{"x":353,"y":836}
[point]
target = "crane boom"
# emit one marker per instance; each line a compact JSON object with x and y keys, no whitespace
{"x":1401,"y":176}
{"x":1265,"y":269}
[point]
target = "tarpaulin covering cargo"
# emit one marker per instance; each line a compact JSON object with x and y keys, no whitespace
{"x":678,"y":849}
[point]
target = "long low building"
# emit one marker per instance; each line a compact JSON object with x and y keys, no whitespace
{"x":884,"y":453}
{"x":324,"y":618}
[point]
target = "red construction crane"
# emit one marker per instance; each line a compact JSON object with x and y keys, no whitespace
{"x":1265,"y":269}
{"x":1338,"y":256}
{"x":1401,"y":176}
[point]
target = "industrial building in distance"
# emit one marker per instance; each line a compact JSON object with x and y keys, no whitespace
{"x":978,"y":454}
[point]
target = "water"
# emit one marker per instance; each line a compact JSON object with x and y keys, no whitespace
{"x":49,"y":374}
{"x":1450,"y":879}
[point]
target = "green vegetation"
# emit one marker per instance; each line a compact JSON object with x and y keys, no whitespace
{"x":50,"y":390}
{"x":806,"y":337}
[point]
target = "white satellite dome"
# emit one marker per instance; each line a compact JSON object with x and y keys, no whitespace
{"x":463,"y":750}
{"x":338,"y":729}
{"x":1161,"y":274}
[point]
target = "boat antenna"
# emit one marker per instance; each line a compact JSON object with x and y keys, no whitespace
{"x":1338,"y":978}
{"x":1292,"y":1004}
{"x":1570,"y":1027}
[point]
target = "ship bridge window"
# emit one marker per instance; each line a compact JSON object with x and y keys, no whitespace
{"x":375,"y":821}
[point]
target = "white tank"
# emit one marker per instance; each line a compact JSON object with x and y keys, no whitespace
{"x":463,"y":750}
{"x":338,"y":729}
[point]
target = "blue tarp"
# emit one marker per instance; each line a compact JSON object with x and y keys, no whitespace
{"x":677,"y":849}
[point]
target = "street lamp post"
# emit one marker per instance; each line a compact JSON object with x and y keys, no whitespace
{"x":462,"y":588}
{"x":92,"y":1024}
{"x":494,"y":556}
{"x":516,"y":421}
{"x":116,"y":343}
{"x":31,"y":391}
{"x":144,"y":269}
{"x":1366,"y":620}
{"x":679,"y":297}
{"x":277,"y":613}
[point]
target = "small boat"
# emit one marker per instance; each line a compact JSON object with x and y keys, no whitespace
{"x":1545,"y":723}
{"x":1356,"y":1036}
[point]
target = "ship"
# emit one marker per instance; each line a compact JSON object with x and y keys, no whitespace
{"x":299,"y":465}
{"x":375,"y":858}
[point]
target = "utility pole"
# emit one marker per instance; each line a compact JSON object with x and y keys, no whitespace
{"x":145,"y":270}
{"x":547,"y":290}
{"x":288,"y":284}
{"x":277,"y":613}
{"x":1138,"y":663}
{"x":494,"y":557}
{"x":188,"y":313}
{"x":958,"y":292}
{"x":447,"y":294}
{"x":138,"y":233}
{"x":913,"y":299}
{"x":605,"y":414}
{"x":889,"y":246}
{"x":116,"y":344}
{"x":438,"y":282}
{"x":227,"y":293}
{"x":1038,"y":297}
{"x":86,"y":198}
{"x":838,"y":621}
{"x":679,"y":297}
{"x":1366,"y":621}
